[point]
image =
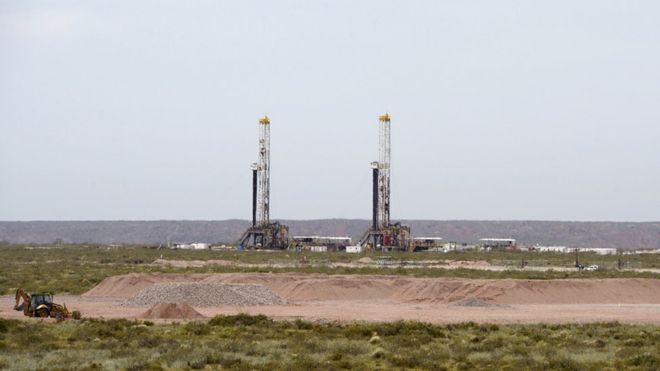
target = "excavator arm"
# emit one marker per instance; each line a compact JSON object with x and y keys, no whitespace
{"x":21,"y":294}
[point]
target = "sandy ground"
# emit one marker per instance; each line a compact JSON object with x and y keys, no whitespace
{"x":391,"y":298}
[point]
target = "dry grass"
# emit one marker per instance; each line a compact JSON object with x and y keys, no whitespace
{"x":249,"y":342}
{"x":77,"y":268}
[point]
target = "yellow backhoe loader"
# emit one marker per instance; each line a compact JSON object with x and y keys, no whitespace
{"x":41,"y":305}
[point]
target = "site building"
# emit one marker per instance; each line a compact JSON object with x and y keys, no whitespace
{"x":356,"y":249}
{"x":599,"y":250}
{"x":565,"y":249}
{"x":320,"y":243}
{"x":497,"y":243}
{"x":428,"y":243}
{"x":192,"y":246}
{"x":560,"y":249}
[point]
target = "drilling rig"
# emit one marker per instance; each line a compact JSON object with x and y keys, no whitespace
{"x":263,"y":234}
{"x":383,"y":234}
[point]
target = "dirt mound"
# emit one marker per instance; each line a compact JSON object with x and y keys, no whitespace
{"x":127,"y":285}
{"x":582,"y":291}
{"x":205,"y":294}
{"x":171,"y":311}
{"x":320,"y":287}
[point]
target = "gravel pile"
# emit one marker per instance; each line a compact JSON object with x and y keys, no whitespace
{"x":205,"y":294}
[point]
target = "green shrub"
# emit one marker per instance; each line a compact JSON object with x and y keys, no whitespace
{"x":563,"y":363}
{"x":4,"y":325}
{"x":646,"y":361}
{"x":303,"y":325}
{"x":197,"y":328}
{"x":241,"y":319}
{"x":257,"y":342}
{"x":378,"y":353}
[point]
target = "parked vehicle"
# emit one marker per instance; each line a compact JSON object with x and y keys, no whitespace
{"x":41,"y":305}
{"x":592,"y":268}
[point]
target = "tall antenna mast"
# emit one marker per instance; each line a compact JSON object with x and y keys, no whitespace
{"x":263,"y":172}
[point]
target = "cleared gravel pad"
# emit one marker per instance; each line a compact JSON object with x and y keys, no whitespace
{"x":206,"y":294}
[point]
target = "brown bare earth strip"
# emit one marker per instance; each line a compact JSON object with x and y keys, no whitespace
{"x":318,"y":287}
{"x":346,"y":298}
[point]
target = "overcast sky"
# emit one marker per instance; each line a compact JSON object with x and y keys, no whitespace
{"x":500,"y":109}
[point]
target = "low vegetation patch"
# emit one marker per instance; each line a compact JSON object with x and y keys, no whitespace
{"x":77,"y":268}
{"x":248,"y":342}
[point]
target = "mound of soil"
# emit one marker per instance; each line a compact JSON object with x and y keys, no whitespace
{"x":127,"y":285}
{"x":320,"y":287}
{"x":171,"y":311}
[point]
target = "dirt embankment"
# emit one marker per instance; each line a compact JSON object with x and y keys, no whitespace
{"x":125,"y":286}
{"x":318,"y":287}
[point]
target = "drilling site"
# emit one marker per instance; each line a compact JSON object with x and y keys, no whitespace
{"x":433,"y":185}
{"x":389,"y":285}
{"x":383,"y":235}
{"x":392,"y":275}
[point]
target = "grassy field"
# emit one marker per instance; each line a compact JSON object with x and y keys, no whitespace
{"x":76,"y":268}
{"x":248,"y":342}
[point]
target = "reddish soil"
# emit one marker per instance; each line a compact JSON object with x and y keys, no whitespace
{"x":319,"y":287}
{"x":390,"y":298}
{"x":171,"y":311}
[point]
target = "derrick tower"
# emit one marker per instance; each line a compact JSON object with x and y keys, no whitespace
{"x":384,"y":166}
{"x":383,"y":235}
{"x":263,"y":233}
{"x":263,"y":172}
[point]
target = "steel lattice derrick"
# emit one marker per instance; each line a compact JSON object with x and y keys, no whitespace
{"x":263,"y":172}
{"x":384,"y":165}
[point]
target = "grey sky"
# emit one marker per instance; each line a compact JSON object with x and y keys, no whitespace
{"x":500,"y":109}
